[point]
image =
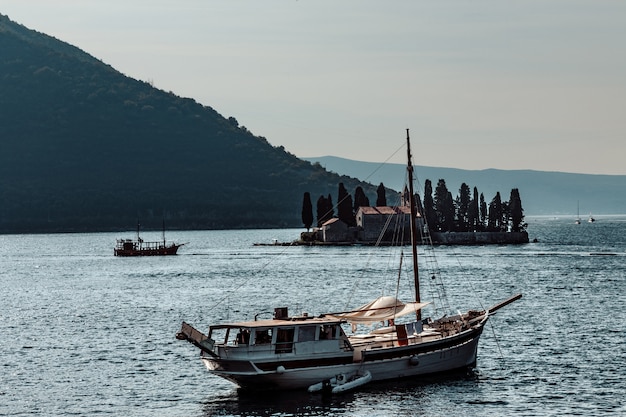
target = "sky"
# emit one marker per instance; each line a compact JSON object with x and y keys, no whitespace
{"x":534,"y":84}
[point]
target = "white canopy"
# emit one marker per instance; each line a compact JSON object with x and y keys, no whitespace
{"x":382,"y":308}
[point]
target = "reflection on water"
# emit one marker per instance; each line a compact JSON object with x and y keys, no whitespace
{"x":399,"y":398}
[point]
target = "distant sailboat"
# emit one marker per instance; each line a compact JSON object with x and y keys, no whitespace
{"x":577,"y":213}
{"x":591,"y":218}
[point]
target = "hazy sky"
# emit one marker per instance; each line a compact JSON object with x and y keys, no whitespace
{"x":481,"y":84}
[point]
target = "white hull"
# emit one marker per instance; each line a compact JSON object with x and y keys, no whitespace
{"x":407,"y":365}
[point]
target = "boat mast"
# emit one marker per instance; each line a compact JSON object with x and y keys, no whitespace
{"x":409,"y":169}
{"x":139,"y":241}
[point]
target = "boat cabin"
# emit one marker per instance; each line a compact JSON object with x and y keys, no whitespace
{"x":125,"y":244}
{"x":280,"y":336}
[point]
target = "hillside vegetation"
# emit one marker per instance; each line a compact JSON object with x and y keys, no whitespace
{"x":84,"y":147}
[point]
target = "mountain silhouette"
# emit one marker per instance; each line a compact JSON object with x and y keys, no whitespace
{"x":85,"y":148}
{"x":542,"y":192}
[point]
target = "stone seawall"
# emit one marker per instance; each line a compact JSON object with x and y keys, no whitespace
{"x":479,"y":238}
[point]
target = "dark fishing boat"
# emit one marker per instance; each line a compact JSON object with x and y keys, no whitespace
{"x":312,"y":352}
{"x":130,"y":247}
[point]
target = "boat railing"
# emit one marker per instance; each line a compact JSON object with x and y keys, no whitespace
{"x":140,"y":245}
{"x":151,"y":245}
{"x":232,"y":348}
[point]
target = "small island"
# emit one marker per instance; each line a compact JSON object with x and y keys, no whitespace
{"x":466,"y":220}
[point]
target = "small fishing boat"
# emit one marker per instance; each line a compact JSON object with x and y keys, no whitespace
{"x":312,"y":352}
{"x":130,"y":247}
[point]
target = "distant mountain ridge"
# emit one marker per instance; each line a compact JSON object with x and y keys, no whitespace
{"x":542,"y":192}
{"x":85,"y":148}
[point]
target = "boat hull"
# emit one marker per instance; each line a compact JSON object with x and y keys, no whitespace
{"x":163,"y":251}
{"x":448,"y":354}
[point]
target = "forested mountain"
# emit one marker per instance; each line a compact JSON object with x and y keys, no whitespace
{"x":541,"y":192}
{"x":83,"y":147}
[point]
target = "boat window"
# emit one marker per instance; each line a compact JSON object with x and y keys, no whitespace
{"x":306,"y":333}
{"x":243,"y":337}
{"x":327,"y":331}
{"x":263,"y":336}
{"x":219,"y":335}
{"x":284,"y":340}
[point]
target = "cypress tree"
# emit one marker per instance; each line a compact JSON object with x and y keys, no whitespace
{"x":441,"y":197}
{"x":307,"y":211}
{"x":324,"y":210}
{"x":505,"y":214}
{"x":448,"y":214}
{"x":360,"y":199}
{"x":381,"y":196}
{"x":430,"y":215}
{"x":473,"y":213}
{"x":516,"y":211}
{"x":495,"y":213}
{"x":463,"y":207}
{"x":483,"y":212}
{"x":344,"y":206}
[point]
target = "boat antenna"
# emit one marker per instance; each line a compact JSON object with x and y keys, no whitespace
{"x":409,"y":169}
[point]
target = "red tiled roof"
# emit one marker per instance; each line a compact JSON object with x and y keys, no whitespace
{"x":386,"y":210}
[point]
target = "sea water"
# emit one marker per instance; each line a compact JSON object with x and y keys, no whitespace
{"x":83,"y":332}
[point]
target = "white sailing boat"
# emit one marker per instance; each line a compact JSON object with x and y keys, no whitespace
{"x":577,"y":221}
{"x":305,"y":352}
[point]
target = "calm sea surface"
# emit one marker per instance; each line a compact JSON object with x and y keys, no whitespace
{"x":85,"y":333}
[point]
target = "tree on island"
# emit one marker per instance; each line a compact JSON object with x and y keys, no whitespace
{"x":473,"y":215}
{"x":430,"y":215}
{"x":360,"y":199}
{"x":470,"y":214}
{"x":463,"y":202}
{"x":443,"y":213}
{"x":483,"y":211}
{"x":495,"y":214}
{"x":449,"y":224}
{"x":381,"y":196}
{"x":344,"y":206}
{"x":516,"y":212}
{"x":307,"y":211}
{"x":441,"y":206}
{"x":325,"y":210}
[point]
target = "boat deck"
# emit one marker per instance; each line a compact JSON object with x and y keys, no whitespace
{"x":387,"y":338}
